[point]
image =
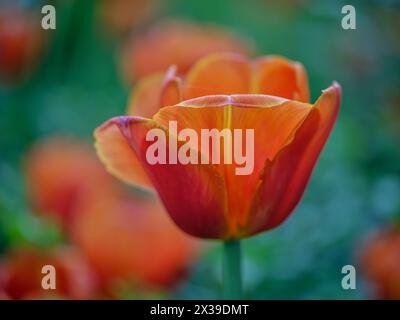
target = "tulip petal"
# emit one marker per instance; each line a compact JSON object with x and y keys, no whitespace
{"x":221,"y":73}
{"x":280,"y":77}
{"x":193,"y":195}
{"x":116,"y":154}
{"x":145,"y":100}
{"x":286,"y":176}
{"x":273,"y":121}
{"x":171,"y":89}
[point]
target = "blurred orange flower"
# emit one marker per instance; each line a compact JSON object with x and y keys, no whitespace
{"x":120,"y":16}
{"x":21,"y":41}
{"x":22,"y":274}
{"x":180,"y":43}
{"x":124,"y":235}
{"x":381,"y":263}
{"x":132,"y":238}
{"x":207,"y":200}
{"x":59,"y":175}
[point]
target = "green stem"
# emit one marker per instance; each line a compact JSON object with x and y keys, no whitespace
{"x":232,"y":270}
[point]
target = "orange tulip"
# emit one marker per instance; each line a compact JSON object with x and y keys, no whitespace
{"x":181,"y":43}
{"x":381,"y":263}
{"x":22,"y":275}
{"x":269,"y":96}
{"x":21,"y":41}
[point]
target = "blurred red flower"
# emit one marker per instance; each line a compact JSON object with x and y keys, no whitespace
{"x":269,"y":96}
{"x":381,"y":263}
{"x":176,"y":42}
{"x":21,"y":42}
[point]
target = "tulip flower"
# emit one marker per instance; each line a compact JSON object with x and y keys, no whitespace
{"x":269,"y":96}
{"x":124,"y":236}
{"x":22,"y":274}
{"x":181,"y":43}
{"x":21,"y":41}
{"x":381,"y":263}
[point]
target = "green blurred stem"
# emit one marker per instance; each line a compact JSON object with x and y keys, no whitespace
{"x":232,"y":270}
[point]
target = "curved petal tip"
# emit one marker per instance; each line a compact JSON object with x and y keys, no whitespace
{"x":335,"y":88}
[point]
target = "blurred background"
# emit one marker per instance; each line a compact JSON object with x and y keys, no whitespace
{"x":58,"y":206}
